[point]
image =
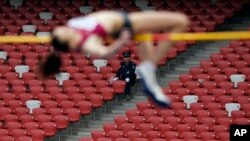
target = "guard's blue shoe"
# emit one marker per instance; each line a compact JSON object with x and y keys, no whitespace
{"x":151,"y":87}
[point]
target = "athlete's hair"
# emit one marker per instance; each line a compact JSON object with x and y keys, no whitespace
{"x":59,"y":45}
{"x":50,"y":65}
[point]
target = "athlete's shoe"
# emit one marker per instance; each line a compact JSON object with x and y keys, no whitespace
{"x":151,"y":87}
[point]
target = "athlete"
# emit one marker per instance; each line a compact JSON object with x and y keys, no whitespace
{"x":90,"y":34}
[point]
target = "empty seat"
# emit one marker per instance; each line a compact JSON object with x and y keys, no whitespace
{"x":208,"y":135}
{"x":37,"y":134}
{"x":86,"y":9}
{"x":29,"y":28}
{"x":61,"y":77}
{"x":7,"y":138}
{"x":98,"y":63}
{"x":118,"y":86}
{"x":31,"y":104}
{"x":21,"y":69}
{"x":46,"y":16}
{"x":231,"y":107}
{"x":189,"y":99}
{"x":236,"y":78}
{"x":49,"y":128}
{"x":3,"y":55}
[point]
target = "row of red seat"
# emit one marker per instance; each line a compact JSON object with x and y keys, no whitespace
{"x":69,"y":102}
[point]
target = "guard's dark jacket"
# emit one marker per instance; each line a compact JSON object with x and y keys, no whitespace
{"x":127,"y":70}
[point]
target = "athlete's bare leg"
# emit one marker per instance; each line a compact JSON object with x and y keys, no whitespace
{"x":152,"y":21}
{"x":150,"y":55}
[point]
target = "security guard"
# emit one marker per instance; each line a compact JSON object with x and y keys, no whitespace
{"x":127,"y":72}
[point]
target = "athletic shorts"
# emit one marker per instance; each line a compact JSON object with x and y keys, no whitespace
{"x":126,"y":25}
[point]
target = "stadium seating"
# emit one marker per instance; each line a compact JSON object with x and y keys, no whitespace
{"x":83,"y":88}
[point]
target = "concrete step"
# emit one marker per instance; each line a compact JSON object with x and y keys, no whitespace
{"x":118,"y":111}
{"x":74,"y":138}
{"x":95,"y":122}
{"x":84,"y":133}
{"x":193,"y":63}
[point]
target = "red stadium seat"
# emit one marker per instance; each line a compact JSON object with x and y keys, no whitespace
{"x":201,"y":128}
{"x":61,"y":97}
{"x":36,"y":90}
{"x":183,"y":91}
{"x":115,"y":134}
{"x":173,"y":121}
{"x":73,"y":114}
{"x":242,"y":100}
{"x":224,"y":136}
{"x":7,"y":138}
{"x":13,"y":104}
{"x":10,"y":118}
{"x":195,"y":70}
{"x":183,"y":128}
{"x":49,"y":128}
{"x":109,"y":126}
{"x":67,"y":104}
{"x":147,"y":113}
{"x":195,"y":107}
{"x":49,"y":104}
{"x":185,"y":78}
{"x":96,"y":100}
{"x":42,"y":119}
{"x":88,"y":69}
{"x":43,"y":28}
{"x":77,"y":98}
{"x":85,"y":107}
{"x":68,"y":83}
{"x":118,"y":86}
{"x":119,"y":120}
{"x":55,"y":112}
{"x":4,"y":132}
{"x":13,"y":125}
{"x":97,"y":134}
{"x":37,"y":134}
{"x":27,"y":76}
{"x":226,"y":50}
{"x":171,"y":135}
{"x":18,"y":133}
{"x":219,"y":19}
{"x":26,"y":118}
{"x":191,"y":85}
{"x":61,"y":121}
{"x":174,"y":85}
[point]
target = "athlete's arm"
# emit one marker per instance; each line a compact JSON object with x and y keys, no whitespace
{"x":94,"y":45}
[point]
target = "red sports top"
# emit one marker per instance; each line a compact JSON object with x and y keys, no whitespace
{"x":87,"y":26}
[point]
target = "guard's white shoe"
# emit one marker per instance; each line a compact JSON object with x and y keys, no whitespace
{"x":151,"y":87}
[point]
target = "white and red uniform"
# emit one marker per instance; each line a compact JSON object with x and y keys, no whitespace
{"x":87,"y":26}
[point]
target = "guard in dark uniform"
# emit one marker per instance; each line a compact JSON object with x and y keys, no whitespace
{"x":127,"y":72}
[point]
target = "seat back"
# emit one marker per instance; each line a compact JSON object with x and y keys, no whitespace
{"x":188,"y":99}
{"x":46,"y":16}
{"x":31,"y":104}
{"x":141,"y":3}
{"x":236,"y":78}
{"x":16,"y":3}
{"x":98,"y":63}
{"x":146,"y":8}
{"x":232,"y":107}
{"x":29,"y":28}
{"x":86,"y":9}
{"x":61,"y":77}
{"x":20,"y":69}
{"x":3,"y":55}
{"x":43,"y":34}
